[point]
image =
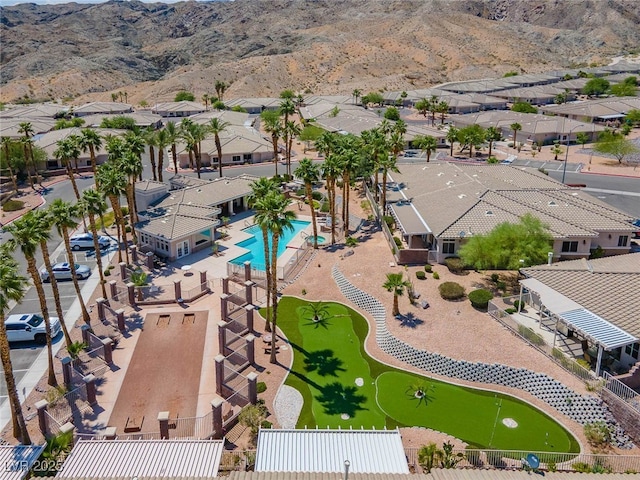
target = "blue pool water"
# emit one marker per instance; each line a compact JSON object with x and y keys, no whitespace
{"x":255,"y":244}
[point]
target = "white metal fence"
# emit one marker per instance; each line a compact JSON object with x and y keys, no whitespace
{"x":622,"y":391}
{"x":200,"y":428}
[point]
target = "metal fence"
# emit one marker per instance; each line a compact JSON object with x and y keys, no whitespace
{"x":91,"y":362}
{"x":63,"y":408}
{"x":120,"y":299}
{"x":139,"y":436}
{"x":193,"y":293}
{"x":622,"y":391}
{"x":156,"y":293}
{"x":237,"y":460}
{"x":200,"y":428}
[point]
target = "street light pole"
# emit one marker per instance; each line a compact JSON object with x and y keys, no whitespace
{"x":566,"y":155}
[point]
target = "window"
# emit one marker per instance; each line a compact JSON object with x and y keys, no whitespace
{"x":623,"y":240}
{"x":569,"y":246}
{"x":449,"y":246}
{"x":246,"y":156}
{"x":236,"y":158}
{"x":633,"y":350}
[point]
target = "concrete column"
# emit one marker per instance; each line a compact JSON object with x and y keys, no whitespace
{"x":110,"y":433}
{"x":86,"y":331}
{"x":100,"y":302}
{"x":248,"y":291}
{"x":90,"y":382}
{"x":66,"y":372}
{"x":41,"y":406}
{"x":224,"y":307}
{"x":149,"y":260}
{"x":231,"y":212}
{"x":134,"y":253}
{"x":252,"y":383}
{"x":203,"y":281}
{"x":251,"y":348}
{"x":219,"y":373}
{"x":177,"y":290}
{"x":123,"y":271}
{"x":225,"y":284}
{"x":216,"y":408}
{"x":107,"y":347}
{"x":163,"y":420}
{"x":250,"y":309}
{"x":66,"y":428}
{"x":120,"y":318}
{"x":222,"y":337}
{"x":131,"y":294}
{"x":247,"y":270}
{"x":113,"y":289}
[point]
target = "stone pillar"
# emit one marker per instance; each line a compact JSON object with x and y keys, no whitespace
{"x":251,"y":348}
{"x":134,"y":253}
{"x":66,"y":428}
{"x":163,"y":420}
{"x":225,"y":284}
{"x":252,"y":384}
{"x":250,"y":309}
{"x":149,"y":260}
{"x":90,"y":382}
{"x":224,"y":307}
{"x":203,"y":281}
{"x":100,"y":302}
{"x":110,"y":433}
{"x":219,"y":373}
{"x":86,"y":334}
{"x":107,"y":347}
{"x":123,"y":271}
{"x":66,"y":372}
{"x":41,"y":406}
{"x":230,"y":204}
{"x":247,"y":270}
{"x":216,"y":408}
{"x":222,"y":337}
{"x":113,"y":289}
{"x":177,"y":290}
{"x":131,"y":294}
{"x":120,"y":318}
{"x":248,"y":291}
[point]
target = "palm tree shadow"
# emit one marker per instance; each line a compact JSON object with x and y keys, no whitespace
{"x":338,"y":399}
{"x":322,"y":322}
{"x":409,"y":320}
{"x":323,"y":362}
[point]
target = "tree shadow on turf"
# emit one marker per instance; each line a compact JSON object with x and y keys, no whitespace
{"x":338,"y":399}
{"x":409,"y":320}
{"x":323,"y":362}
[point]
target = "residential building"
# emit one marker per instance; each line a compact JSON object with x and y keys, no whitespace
{"x":598,"y":110}
{"x":178,"y":109}
{"x":255,"y":105}
{"x":143,"y":119}
{"x":101,"y":108}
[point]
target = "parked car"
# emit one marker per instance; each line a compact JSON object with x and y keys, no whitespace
{"x":85,"y":240}
{"x":30,"y":327}
{"x":62,"y":271}
{"x":636,"y":223}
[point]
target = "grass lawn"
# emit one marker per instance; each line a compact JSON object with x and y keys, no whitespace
{"x":344,"y":387}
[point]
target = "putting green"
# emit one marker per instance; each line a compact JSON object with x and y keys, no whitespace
{"x":343,"y":386}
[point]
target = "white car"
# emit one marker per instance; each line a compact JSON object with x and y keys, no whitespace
{"x":62,"y":271}
{"x":30,"y":327}
{"x":85,"y":240}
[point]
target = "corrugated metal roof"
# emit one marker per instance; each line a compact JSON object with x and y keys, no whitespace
{"x":15,"y":461}
{"x":322,"y":476}
{"x":159,"y":458}
{"x":464,"y":474}
{"x":368,"y":451}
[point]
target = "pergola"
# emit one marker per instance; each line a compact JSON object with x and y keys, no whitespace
{"x":590,"y":326}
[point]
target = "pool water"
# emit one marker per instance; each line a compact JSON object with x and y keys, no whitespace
{"x":255,"y":244}
{"x":321,"y":240}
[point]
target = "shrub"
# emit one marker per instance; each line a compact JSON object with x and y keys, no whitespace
{"x":510,"y":310}
{"x":125,"y":211}
{"x":530,"y":335}
{"x":598,"y":433}
{"x":581,"y":467}
{"x":300,"y":192}
{"x":316,"y":196}
{"x":351,"y":241}
{"x":451,"y":291}
{"x":13,"y":205}
{"x":388,"y":219}
{"x":324,"y":208}
{"x":436,"y":276}
{"x":266,"y":424}
{"x":421,"y":275}
{"x":455,"y":265}
{"x":480,"y":298}
{"x":518,"y":305}
{"x":261,"y":387}
{"x":397,"y":241}
{"x":427,"y":268}
{"x":495,"y":277}
{"x":107,"y":272}
{"x":501,"y":285}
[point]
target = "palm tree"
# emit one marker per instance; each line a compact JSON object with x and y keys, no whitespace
{"x":45,"y":224}
{"x":273,"y":127}
{"x":220,"y":87}
{"x":163,"y":141}
{"x":90,"y":140}
{"x":93,"y":204}
{"x":135,"y":143}
{"x":330,"y":171}
{"x":492,"y":134}
{"x":292,"y":131}
{"x":356,"y":94}
{"x":442,"y":107}
{"x":205,"y":100}
{"x":309,"y":172}
{"x":387,"y":164}
{"x":64,"y":215}
{"x":217,"y":126}
{"x":186,"y":135}
{"x":172,"y":137}
{"x":376,"y":146}
{"x":287,"y":108}
{"x":25,"y":232}
{"x":349,"y":159}
{"x":452,"y":137}
{"x":12,"y":288}
{"x":152,"y":141}
{"x":131,"y":166}
{"x":68,"y":149}
{"x":26,"y":129}
{"x":259,"y":190}
{"x":113,"y":184}
{"x":6,"y":146}
{"x":427,"y":143}
{"x":516,"y":127}
{"x":396,"y":283}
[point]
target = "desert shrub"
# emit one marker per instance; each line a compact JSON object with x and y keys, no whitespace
{"x":351,"y":241}
{"x":388,"y":219}
{"x":125,"y":211}
{"x":530,"y":335}
{"x":581,"y":467}
{"x":436,"y":276}
{"x":301,"y":192}
{"x":451,"y":291}
{"x":266,"y":424}
{"x":501,"y":285}
{"x":107,"y":272}
{"x":316,"y":196}
{"x":455,"y":265}
{"x":480,"y":298}
{"x":12,"y":205}
{"x":510,"y":310}
{"x":495,"y":277}
{"x":324,"y":208}
{"x":598,"y":433}
{"x":427,"y":268}
{"x":421,"y":275}
{"x":397,"y":241}
{"x":261,"y":387}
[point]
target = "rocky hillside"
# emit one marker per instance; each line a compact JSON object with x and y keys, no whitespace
{"x":326,"y":46}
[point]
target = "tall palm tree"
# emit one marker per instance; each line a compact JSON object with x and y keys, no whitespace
{"x":376,"y":147}
{"x":26,"y":130}
{"x":12,"y":288}
{"x":426,"y":143}
{"x":205,"y":100}
{"x":151,"y":140}
{"x":348,"y":156}
{"x":220,"y":87}
{"x":163,"y":141}
{"x":25,"y":232}
{"x":64,"y":215}
{"x":131,"y":166}
{"x":330,"y":172}
{"x":93,"y":204}
{"x":217,"y":126}
{"x":452,"y":137}
{"x":90,"y":141}
{"x":172,"y":137}
{"x":516,"y":127}
{"x":6,"y":147}
{"x":396,"y":283}
{"x":309,"y":172}
{"x":186,"y":135}
{"x":68,"y":149}
{"x":113,"y":184}
{"x":442,"y":107}
{"x":356,"y":94}
{"x":45,"y":224}
{"x":273,"y":127}
{"x":492,"y":134}
{"x":387,"y":164}
{"x":292,"y":130}
{"x":135,"y":143}
{"x":287,"y":108}
{"x":259,"y":190}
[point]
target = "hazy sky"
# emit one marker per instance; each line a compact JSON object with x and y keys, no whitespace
{"x":51,"y":2}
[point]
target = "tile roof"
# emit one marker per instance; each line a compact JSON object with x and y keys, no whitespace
{"x":234,"y":118}
{"x":596,"y":107}
{"x":183,"y":106}
{"x":146,"y":185}
{"x":37,"y":110}
{"x":238,"y":475}
{"x":234,"y":139}
{"x":142,"y":119}
{"x":48,"y":141}
{"x":173,"y":226}
{"x":10,"y":126}
{"x":211,"y":193}
{"x":605,"y":286}
{"x":103,"y":107}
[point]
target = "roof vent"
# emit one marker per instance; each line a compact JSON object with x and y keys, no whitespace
{"x":450,"y":182}
{"x":552,"y":204}
{"x":489,"y":213}
{"x":199,"y":190}
{"x":462,"y":195}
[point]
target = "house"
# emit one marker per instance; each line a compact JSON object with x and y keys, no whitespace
{"x":34,"y":111}
{"x":10,"y":126}
{"x":255,"y":105}
{"x":228,"y":116}
{"x":150,"y":191}
{"x":599,"y":110}
{"x":438,"y":206}
{"x":144,"y":119}
{"x":178,"y":109}
{"x":101,"y":108}
{"x":536,"y":95}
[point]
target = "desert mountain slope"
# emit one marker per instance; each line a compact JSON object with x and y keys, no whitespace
{"x":324,"y":46}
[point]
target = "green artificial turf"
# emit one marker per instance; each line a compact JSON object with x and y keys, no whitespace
{"x":329,"y":356}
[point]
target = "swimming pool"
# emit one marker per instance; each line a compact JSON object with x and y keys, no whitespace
{"x":255,"y":244}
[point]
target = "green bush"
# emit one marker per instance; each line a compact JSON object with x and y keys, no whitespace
{"x":518,"y":305}
{"x":397,"y":241}
{"x":510,"y":310}
{"x":436,"y":276}
{"x":107,"y":272}
{"x":261,"y":387}
{"x":581,"y":467}
{"x":300,"y":192}
{"x":495,"y":277}
{"x":530,"y":335}
{"x":480,"y":298}
{"x":501,"y":285}
{"x":427,"y":268}
{"x":324,"y":208}
{"x":125,"y":211}
{"x":598,"y":433}
{"x":266,"y":424}
{"x":454,"y":264}
{"x":13,"y":205}
{"x":421,"y":275}
{"x":388,"y":219}
{"x":316,"y":196}
{"x":451,"y":291}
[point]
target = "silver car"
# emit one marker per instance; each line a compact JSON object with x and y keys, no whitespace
{"x":62,"y":271}
{"x":30,"y":327}
{"x":85,"y":240}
